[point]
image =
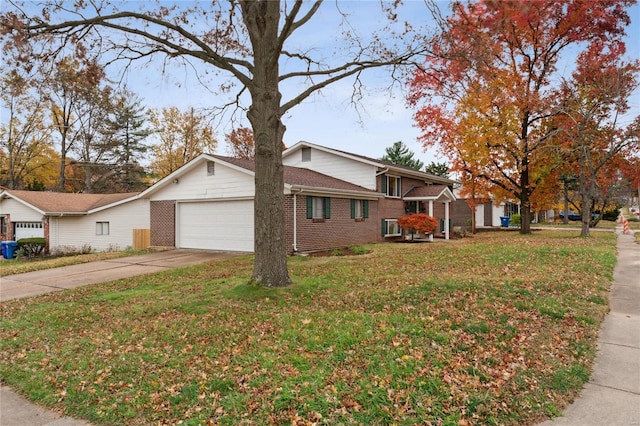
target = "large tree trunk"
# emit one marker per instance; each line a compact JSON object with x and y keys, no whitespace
{"x":270,"y":264}
{"x":525,"y":201}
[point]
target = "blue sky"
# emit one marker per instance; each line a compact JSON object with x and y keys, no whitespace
{"x":328,"y":118}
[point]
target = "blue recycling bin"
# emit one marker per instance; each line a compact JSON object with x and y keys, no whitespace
{"x":504,"y":221}
{"x":9,"y":249}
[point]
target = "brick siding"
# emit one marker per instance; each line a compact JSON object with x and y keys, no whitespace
{"x":337,"y":231}
{"x":163,"y":223}
{"x":9,"y":235}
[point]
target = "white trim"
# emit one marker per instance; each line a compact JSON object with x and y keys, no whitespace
{"x":346,"y":193}
{"x":21,"y":201}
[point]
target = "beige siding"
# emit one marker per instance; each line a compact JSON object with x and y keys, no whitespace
{"x":336,"y":166}
{"x":77,"y":231}
{"x":18,"y":211}
{"x":197,"y":185}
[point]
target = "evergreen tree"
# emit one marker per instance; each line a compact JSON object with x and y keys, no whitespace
{"x":399,"y":154}
{"x":438,"y":169}
{"x":128,"y":131}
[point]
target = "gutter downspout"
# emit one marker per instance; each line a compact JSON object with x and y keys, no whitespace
{"x":295,"y":221}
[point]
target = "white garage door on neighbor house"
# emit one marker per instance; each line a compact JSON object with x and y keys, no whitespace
{"x":28,"y":230}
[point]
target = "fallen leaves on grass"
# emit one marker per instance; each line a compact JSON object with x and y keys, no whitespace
{"x":492,"y":330}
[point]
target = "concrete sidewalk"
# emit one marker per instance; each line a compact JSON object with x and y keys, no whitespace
{"x":612,"y":395}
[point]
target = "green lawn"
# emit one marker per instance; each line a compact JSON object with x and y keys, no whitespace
{"x":495,"y":329}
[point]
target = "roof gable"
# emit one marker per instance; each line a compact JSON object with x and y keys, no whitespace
{"x":66,"y":203}
{"x":380,"y":164}
{"x":300,"y":177}
{"x":430,"y":192}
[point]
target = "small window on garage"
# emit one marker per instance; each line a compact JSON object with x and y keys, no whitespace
{"x":102,"y":228}
{"x":306,"y":154}
{"x":3,"y":225}
{"x":211,"y":168}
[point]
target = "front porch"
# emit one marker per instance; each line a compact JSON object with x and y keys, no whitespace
{"x":421,"y":199}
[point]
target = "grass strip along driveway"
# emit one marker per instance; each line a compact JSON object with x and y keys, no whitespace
{"x":495,"y":329}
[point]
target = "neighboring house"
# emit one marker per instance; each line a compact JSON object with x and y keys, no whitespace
{"x":332,"y":199}
{"x":72,"y":221}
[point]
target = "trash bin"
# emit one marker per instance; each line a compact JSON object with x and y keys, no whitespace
{"x":504,"y":221}
{"x":9,"y":249}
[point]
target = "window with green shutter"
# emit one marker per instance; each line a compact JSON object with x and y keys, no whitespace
{"x":359,"y":209}
{"x":318,"y":207}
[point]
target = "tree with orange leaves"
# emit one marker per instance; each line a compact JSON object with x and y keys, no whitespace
{"x":418,"y":222}
{"x":593,"y":134}
{"x":487,"y":96}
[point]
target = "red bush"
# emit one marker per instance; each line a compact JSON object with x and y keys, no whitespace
{"x":418,"y":222}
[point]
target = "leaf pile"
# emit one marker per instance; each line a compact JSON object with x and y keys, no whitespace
{"x":497,"y":329}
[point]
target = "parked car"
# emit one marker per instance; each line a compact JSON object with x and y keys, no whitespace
{"x":578,"y":217}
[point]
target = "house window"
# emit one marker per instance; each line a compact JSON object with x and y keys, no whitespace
{"x":390,"y":185}
{"x":393,"y":186}
{"x":102,"y":228}
{"x":390,"y":228}
{"x":359,"y":209}
{"x":211,"y":168}
{"x":318,"y":208}
{"x":3,"y":225}
{"x":306,"y":154}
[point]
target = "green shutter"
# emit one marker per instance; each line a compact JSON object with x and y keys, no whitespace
{"x":383,"y":183}
{"x":382,"y":227}
{"x":327,"y":208}
{"x":353,"y":208}
{"x":309,"y":207}
{"x":365,"y":207}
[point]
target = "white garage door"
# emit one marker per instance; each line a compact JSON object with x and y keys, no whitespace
{"x":28,"y":230}
{"x":216,"y":225}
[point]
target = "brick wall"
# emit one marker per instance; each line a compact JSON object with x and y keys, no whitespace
{"x":8,"y":236}
{"x":461,"y":214}
{"x":45,"y":222}
{"x":337,"y":231}
{"x":163,"y":223}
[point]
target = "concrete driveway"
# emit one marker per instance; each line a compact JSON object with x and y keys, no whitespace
{"x":56,"y":279}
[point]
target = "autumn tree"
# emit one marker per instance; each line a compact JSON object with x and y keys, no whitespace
{"x":593,"y":138}
{"x":240,"y":143}
{"x":68,"y":90}
{"x":25,"y":139}
{"x":247,"y":41}
{"x":399,"y":153}
{"x":182,"y":136}
{"x":495,"y":70}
